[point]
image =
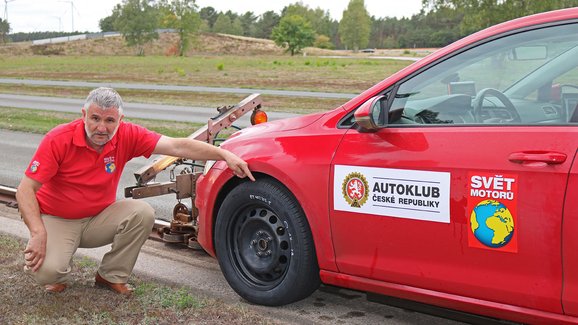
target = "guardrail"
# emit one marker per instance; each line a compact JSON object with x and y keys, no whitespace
{"x":8,"y":196}
{"x":70,"y":38}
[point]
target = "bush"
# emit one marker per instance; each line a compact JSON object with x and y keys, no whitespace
{"x":323,"y":42}
{"x":46,"y":49}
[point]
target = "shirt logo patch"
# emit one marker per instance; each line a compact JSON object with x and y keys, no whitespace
{"x":109,"y":165}
{"x":34,"y":166}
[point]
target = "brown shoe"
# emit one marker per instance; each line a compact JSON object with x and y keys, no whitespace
{"x":55,"y":288}
{"x":120,"y":288}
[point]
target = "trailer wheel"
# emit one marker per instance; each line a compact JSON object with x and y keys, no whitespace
{"x":264,"y":244}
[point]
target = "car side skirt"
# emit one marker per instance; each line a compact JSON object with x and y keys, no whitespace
{"x":445,"y":300}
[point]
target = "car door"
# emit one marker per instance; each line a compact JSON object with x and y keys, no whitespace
{"x":464,"y":192}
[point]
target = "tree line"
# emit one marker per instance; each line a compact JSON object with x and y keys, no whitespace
{"x":439,"y":23}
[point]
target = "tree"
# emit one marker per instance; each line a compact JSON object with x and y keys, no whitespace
{"x":293,"y":32}
{"x":355,"y":26}
{"x":479,"y":14}
{"x":106,"y":24}
{"x":181,"y":15}
{"x":222,"y":24}
{"x":247,"y":21}
{"x":264,"y":26}
{"x":228,"y":24}
{"x":323,"y":42}
{"x":4,"y":31}
{"x":237,"y":27}
{"x":320,"y":20}
{"x":209,"y":14}
{"x":137,"y":22}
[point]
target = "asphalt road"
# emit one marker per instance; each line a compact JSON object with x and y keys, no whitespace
{"x":122,"y":85}
{"x":198,"y":271}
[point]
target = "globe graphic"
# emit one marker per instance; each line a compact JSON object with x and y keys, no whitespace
{"x":492,"y":223}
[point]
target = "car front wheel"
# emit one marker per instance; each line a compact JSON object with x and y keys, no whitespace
{"x":264,"y":244}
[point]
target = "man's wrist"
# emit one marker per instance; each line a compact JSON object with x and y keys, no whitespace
{"x":36,"y":228}
{"x":225,"y":154}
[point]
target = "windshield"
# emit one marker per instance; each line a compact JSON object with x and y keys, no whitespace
{"x":496,"y":64}
{"x":524,"y":71}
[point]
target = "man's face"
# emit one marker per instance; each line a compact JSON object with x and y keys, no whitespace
{"x":100,"y":125}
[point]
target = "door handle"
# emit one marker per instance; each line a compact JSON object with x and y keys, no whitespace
{"x":546,"y":157}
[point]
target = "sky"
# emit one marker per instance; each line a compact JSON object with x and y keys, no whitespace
{"x":84,"y":15}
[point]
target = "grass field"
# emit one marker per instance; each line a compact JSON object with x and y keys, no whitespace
{"x":195,"y":99}
{"x":259,"y":72}
{"x":269,"y":72}
{"x":24,"y":302}
{"x":34,"y":121}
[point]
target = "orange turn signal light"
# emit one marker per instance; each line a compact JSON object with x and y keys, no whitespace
{"x":258,"y":117}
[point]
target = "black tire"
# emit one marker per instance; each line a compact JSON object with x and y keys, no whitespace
{"x":264,"y":244}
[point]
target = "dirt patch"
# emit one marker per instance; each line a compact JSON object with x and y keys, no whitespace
{"x":203,"y":44}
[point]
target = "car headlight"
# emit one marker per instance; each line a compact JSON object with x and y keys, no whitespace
{"x":208,"y":165}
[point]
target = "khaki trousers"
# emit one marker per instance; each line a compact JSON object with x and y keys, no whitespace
{"x":126,"y":224}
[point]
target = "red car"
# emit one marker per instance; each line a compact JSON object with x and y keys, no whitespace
{"x":452,"y":182}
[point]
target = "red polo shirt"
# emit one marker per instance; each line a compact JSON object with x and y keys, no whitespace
{"x":78,"y":182}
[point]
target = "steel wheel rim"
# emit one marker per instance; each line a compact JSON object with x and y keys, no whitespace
{"x":261,"y":247}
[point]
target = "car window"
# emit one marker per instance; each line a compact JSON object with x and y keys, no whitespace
{"x":528,"y":78}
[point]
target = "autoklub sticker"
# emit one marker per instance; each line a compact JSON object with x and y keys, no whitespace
{"x":492,"y":211}
{"x":401,"y":193}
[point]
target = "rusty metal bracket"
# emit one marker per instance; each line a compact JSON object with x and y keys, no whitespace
{"x":183,"y":187}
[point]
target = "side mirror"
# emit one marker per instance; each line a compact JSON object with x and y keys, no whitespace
{"x":372,"y":115}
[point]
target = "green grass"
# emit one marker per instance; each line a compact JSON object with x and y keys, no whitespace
{"x":29,"y":120}
{"x":36,"y":121}
{"x":86,"y":263}
{"x":25,"y":302}
{"x":10,"y":245}
{"x":302,"y":105}
{"x":155,"y":295}
{"x":274,"y":72}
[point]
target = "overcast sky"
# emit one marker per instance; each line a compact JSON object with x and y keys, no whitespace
{"x":59,"y":15}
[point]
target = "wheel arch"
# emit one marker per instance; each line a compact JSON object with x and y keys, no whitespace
{"x":234,"y":182}
{"x":316,"y":213}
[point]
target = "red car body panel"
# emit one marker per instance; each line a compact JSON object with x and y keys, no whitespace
{"x":535,"y":282}
{"x":569,"y":244}
{"x":448,"y":265}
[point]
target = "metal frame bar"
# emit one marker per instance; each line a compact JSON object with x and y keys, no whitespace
{"x":227,"y":116}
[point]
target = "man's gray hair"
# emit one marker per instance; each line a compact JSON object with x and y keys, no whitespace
{"x":104,"y":98}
